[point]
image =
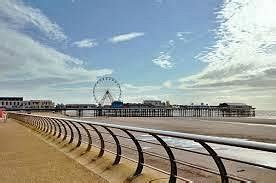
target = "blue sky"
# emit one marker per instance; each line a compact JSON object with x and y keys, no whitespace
{"x":183,"y":51}
{"x":160,"y":21}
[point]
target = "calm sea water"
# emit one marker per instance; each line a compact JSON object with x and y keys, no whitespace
{"x":265,"y":114}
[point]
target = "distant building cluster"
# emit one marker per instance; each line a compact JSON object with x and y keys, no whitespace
{"x":145,"y":104}
{"x":236,"y":108}
{"x":19,"y":103}
{"x":80,"y":106}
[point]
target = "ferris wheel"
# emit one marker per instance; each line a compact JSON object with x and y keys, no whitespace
{"x":106,"y":90}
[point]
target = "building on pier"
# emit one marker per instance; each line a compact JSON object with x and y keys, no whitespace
{"x":154,"y":103}
{"x":38,"y":104}
{"x":11,"y":102}
{"x":19,"y":103}
{"x":136,"y":105}
{"x":236,"y":109}
{"x":117,"y":104}
{"x":80,"y":106}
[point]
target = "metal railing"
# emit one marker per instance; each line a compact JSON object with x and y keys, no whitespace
{"x":69,"y":130}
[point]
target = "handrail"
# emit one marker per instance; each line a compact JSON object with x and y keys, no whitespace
{"x":46,"y":122}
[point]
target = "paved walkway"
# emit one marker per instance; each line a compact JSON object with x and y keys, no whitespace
{"x":26,"y":158}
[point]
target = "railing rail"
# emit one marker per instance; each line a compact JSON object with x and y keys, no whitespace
{"x":81,"y":131}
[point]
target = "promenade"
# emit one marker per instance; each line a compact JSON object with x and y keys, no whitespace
{"x":27,"y":158}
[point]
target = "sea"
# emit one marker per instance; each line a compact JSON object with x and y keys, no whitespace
{"x":263,"y":114}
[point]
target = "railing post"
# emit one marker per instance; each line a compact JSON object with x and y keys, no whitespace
{"x":118,"y":146}
{"x":51,"y":126}
{"x":34,"y":124}
{"x":48,"y":126}
{"x":55,"y":127}
{"x":59,"y":127}
{"x":171,"y":157}
{"x":89,"y":138}
{"x":219,"y":163}
{"x":101,"y":138}
{"x":39,"y":125}
{"x":65,"y":130}
{"x":44,"y":125}
{"x":140,"y":164}
{"x":71,"y":132}
{"x":30,"y":121}
{"x":79,"y":134}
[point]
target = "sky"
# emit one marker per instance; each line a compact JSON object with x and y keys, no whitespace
{"x":190,"y":51}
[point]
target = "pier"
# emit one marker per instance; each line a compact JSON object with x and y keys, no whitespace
{"x":188,"y":111}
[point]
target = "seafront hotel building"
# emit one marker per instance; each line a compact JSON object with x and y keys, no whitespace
{"x":19,"y":103}
{"x":11,"y":102}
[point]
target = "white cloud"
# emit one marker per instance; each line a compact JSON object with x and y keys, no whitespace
{"x":167,"y":84}
{"x":244,"y":54}
{"x":164,"y":60}
{"x":140,"y":89}
{"x":86,"y":43}
{"x":26,"y":59}
{"x":19,"y":15}
{"x":126,"y":37}
{"x":29,"y":68}
{"x":138,"y":93}
{"x":182,"y":35}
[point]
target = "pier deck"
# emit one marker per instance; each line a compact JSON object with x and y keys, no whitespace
{"x":26,"y":158}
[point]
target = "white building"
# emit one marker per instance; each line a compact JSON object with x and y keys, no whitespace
{"x":155,"y":103}
{"x":38,"y":104}
{"x":11,"y":102}
{"x":80,"y":106}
